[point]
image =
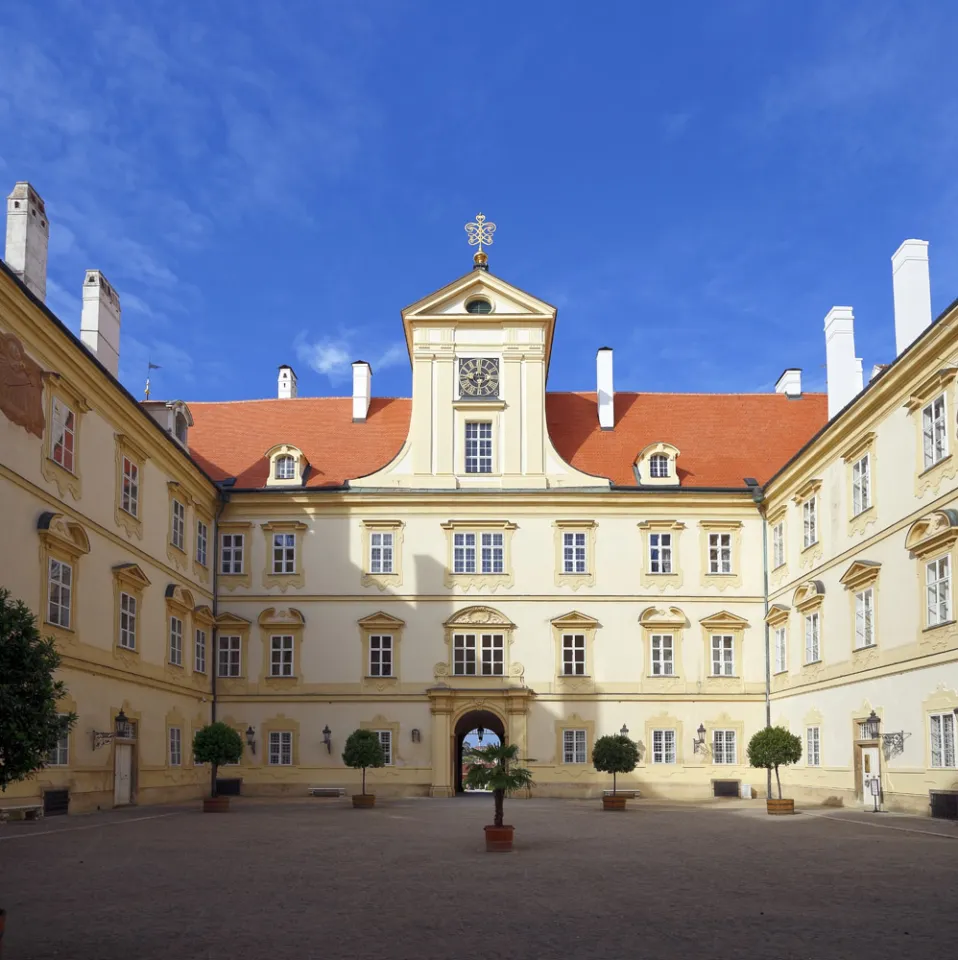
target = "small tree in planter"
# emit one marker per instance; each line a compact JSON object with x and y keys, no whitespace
{"x":363,"y":749}
{"x":770,"y":749}
{"x":217,"y":744}
{"x":614,"y":753}
{"x":493,"y":768}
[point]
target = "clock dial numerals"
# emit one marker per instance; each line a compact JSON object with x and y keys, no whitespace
{"x":479,"y":377}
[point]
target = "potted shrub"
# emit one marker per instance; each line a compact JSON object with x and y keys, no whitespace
{"x":770,"y":749}
{"x":217,"y":744}
{"x":614,"y":753}
{"x":493,"y":768}
{"x":363,"y":749}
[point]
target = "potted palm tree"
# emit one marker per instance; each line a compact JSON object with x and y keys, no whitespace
{"x":614,"y":753}
{"x":770,"y":749}
{"x":363,"y":749}
{"x":216,"y":744}
{"x":494,"y":768}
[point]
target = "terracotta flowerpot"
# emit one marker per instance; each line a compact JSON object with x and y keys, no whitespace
{"x":614,"y":802}
{"x":499,"y":839}
{"x":216,"y":805}
{"x":780,"y":807}
{"x":364,"y":800}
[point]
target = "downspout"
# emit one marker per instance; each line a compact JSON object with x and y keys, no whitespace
{"x":214,"y":651}
{"x":758,"y":495}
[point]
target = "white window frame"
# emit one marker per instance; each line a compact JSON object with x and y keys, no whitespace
{"x":663,"y":746}
{"x":386,"y":742}
{"x":284,"y":554}
{"x":662,"y":652}
{"x":176,"y":641}
{"x":810,"y":522}
{"x":659,"y":465}
{"x":202,"y":542}
{"x":724,"y":747}
{"x":130,"y":492}
{"x":463,"y":552}
{"x":660,"y":553}
{"x":231,"y":553}
{"x":722,"y":646}
{"x":63,"y":436}
{"x":493,"y":552}
{"x":573,"y":655}
{"x":781,"y":648}
{"x":380,"y":552}
{"x":282,"y":655}
{"x":575,"y":746}
{"x":938,"y":590}
{"x":176,"y":747}
{"x":813,"y":746}
{"x":199,"y":650}
{"x":381,"y":655}
{"x":813,"y":637}
{"x":59,"y":593}
{"x":865,"y":618}
{"x":59,"y":756}
{"x":465,"y":655}
{"x":128,"y":617}
{"x":941,"y":727}
{"x":232,"y":646}
{"x":720,"y":553}
{"x":492,"y":655}
{"x":575,"y":552}
{"x":934,"y":431}
{"x":178,"y":524}
{"x":778,"y":545}
{"x":280,"y":752}
{"x":478,"y":447}
{"x":284,"y":467}
{"x":861,"y":485}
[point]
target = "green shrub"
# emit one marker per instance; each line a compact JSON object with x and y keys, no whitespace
{"x":615,"y":753}
{"x":491,"y":768}
{"x":217,"y":744}
{"x":363,"y":749}
{"x":772,"y":748}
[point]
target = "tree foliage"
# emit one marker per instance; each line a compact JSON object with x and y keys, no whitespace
{"x":30,"y":723}
{"x":494,"y":768}
{"x":216,"y":744}
{"x":363,"y":749}
{"x":615,"y":753}
{"x":772,"y":748}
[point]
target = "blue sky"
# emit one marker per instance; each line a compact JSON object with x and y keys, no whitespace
{"x":693,"y":184}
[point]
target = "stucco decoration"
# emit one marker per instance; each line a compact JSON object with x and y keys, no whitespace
{"x":479,"y":616}
{"x":933,"y":532}
{"x":21,"y":386}
{"x":808,"y":595}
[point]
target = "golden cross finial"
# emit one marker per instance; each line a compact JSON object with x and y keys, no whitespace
{"x":480,"y":233}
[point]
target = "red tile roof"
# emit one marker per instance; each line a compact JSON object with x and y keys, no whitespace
{"x":722,"y":438}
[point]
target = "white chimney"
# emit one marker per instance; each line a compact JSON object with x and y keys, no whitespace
{"x":100,"y":320}
{"x":843,"y":368}
{"x":286,"y":383}
{"x":605,"y":393}
{"x":912,"y":291}
{"x":27,"y":234}
{"x":362,"y":389}
{"x":790,"y":383}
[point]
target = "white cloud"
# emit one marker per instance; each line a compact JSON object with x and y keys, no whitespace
{"x":334,"y":357}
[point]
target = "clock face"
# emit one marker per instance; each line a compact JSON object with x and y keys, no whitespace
{"x":479,"y":377}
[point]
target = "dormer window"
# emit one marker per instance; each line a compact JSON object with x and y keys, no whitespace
{"x":287,"y":466}
{"x":478,"y":305}
{"x":181,"y":427}
{"x":656,"y":465}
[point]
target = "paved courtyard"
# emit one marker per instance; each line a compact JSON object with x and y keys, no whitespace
{"x":317,"y":879}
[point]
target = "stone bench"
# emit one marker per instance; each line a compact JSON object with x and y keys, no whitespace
{"x":26,"y":811}
{"x":326,"y":791}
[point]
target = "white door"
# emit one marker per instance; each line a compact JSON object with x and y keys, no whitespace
{"x":122,"y":772}
{"x":870,"y":774}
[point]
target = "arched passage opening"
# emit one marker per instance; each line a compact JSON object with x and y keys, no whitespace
{"x":469,"y":725}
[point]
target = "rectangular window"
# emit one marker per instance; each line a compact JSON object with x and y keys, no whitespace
{"x":386,"y":742}
{"x":810,"y":521}
{"x":284,"y":553}
{"x":231,"y":553}
{"x":942,"y":739}
{"x":59,"y":756}
{"x":176,"y":641}
{"x":130,"y":495}
{"x":492,"y":654}
{"x":281,"y":656}
{"x":381,"y":655}
{"x":177,"y":534}
{"x":720,"y":553}
{"x":59,"y":593}
{"x":813,"y":649}
{"x":778,"y":545}
{"x":723,"y":746}
{"x":464,"y":654}
{"x":663,"y":746}
{"x":202,"y":539}
{"x":573,"y":746}
{"x":176,"y":746}
{"x":199,"y":652}
{"x":861,"y":485}
{"x":63,"y":435}
{"x":280,"y":748}
{"x":127,"y":621}
{"x":573,"y":655}
{"x":781,"y":649}
{"x":380,"y":553}
{"x":492,"y":553}
{"x":478,"y":448}
{"x":934,"y":432}
{"x":573,"y":553}
{"x":938,"y":583}
{"x":813,"y":756}
{"x":228,"y":664}
{"x":463,"y":553}
{"x":663,"y":664}
{"x":864,"y":618}
{"x":723,"y":656}
{"x":660,"y":553}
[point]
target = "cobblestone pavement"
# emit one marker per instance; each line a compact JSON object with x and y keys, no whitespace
{"x":410,"y":879}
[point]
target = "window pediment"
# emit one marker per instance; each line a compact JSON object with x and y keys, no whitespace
{"x":808,"y":595}
{"x":70,"y":536}
{"x":479,"y":616}
{"x":930,"y":388}
{"x":179,"y":596}
{"x":860,"y":574}
{"x":130,"y":573}
{"x":231,"y":621}
{"x":777,"y":614}
{"x":724,"y":620}
{"x":575,"y":619}
{"x":285,"y":617}
{"x":381,"y":621}
{"x":938,"y":529}
{"x":663,"y":617}
{"x":203,"y":615}
{"x":808,"y":489}
{"x":859,"y":448}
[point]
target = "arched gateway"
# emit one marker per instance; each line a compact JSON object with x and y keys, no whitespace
{"x":484,"y":720}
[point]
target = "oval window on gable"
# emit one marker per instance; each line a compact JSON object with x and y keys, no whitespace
{"x":658,"y":465}
{"x":478,"y":305}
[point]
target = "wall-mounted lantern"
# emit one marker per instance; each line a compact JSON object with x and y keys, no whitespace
{"x":624,"y":731}
{"x":251,"y":739}
{"x":416,"y":735}
{"x":699,"y":743}
{"x":328,"y":738}
{"x":893,"y":743}
{"x":122,"y":728}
